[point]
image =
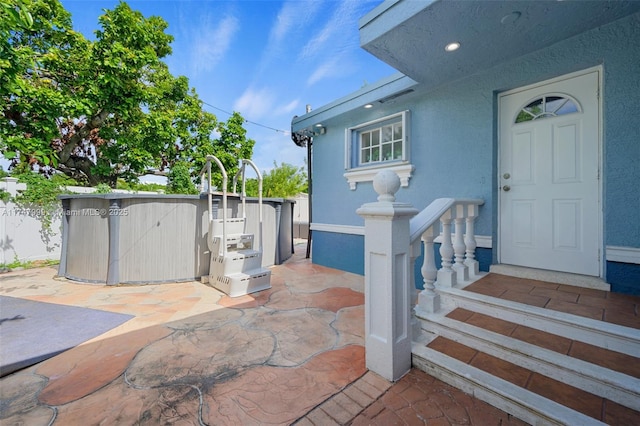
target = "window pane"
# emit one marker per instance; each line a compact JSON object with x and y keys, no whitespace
{"x":375,"y":137}
{"x":397,"y":131}
{"x":545,"y":107}
{"x":397,"y":151}
{"x":366,"y":156}
{"x":375,"y":154}
{"x":387,"y":132}
{"x":567,"y":108}
{"x":535,"y":107}
{"x":386,"y":152}
{"x":366,"y":139}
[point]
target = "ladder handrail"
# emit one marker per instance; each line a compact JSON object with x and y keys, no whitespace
{"x":244,"y":195}
{"x":207,"y":168}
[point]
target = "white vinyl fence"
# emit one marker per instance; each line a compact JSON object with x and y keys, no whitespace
{"x":25,"y":236}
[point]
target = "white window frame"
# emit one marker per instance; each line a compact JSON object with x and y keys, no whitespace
{"x":355,"y":173}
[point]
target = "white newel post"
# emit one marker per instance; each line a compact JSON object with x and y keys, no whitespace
{"x":387,"y":280}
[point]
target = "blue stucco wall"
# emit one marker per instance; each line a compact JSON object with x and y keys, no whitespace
{"x":624,"y":277}
{"x":454,"y":137}
{"x":339,"y":251}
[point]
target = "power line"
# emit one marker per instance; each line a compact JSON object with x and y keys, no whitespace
{"x":286,"y":132}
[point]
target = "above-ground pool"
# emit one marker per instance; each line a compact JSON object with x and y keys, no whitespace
{"x":153,"y":238}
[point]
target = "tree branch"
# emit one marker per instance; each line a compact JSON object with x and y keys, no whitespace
{"x":76,"y":139}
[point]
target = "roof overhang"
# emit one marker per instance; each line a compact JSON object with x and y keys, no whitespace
{"x":384,"y":90}
{"x":411,"y":35}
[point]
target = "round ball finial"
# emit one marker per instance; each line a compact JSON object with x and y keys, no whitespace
{"x":386,"y":183}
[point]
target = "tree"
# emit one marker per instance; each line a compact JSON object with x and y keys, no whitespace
{"x":102,"y":110}
{"x":282,"y":181}
{"x":179,"y":180}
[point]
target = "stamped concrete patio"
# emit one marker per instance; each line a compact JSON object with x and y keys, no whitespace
{"x":291,"y":354}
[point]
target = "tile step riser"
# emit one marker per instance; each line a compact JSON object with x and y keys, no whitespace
{"x":521,"y":403}
{"x":588,"y":377}
{"x":597,"y":333}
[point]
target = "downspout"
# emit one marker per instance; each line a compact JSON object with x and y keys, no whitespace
{"x":309,"y":198}
{"x":304,"y":139}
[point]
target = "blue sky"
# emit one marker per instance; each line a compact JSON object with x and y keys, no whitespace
{"x":266,"y":59}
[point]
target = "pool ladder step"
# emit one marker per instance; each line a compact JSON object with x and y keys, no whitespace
{"x":238,"y":271}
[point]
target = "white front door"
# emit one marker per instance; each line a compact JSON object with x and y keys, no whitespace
{"x":549,"y":176}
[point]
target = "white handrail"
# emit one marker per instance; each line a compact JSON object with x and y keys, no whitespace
{"x":433,"y":212}
{"x":259,"y":175}
{"x":207,"y":168}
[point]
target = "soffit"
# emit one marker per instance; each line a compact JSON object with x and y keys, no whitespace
{"x":411,"y":35}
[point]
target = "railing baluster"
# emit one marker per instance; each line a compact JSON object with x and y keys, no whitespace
{"x":446,"y":275}
{"x":428,"y":299}
{"x":470,"y":241}
{"x":462,"y":272}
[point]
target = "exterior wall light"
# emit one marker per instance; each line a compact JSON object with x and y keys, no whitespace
{"x":367,"y":106}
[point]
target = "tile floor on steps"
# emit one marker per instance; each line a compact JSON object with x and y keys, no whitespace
{"x":615,"y":308}
{"x":569,"y":396}
{"x":612,"y":360}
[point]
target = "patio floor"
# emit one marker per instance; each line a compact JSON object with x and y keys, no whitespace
{"x":190,"y":355}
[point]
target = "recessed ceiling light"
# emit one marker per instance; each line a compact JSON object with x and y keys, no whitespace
{"x":368,"y":106}
{"x":452,"y":46}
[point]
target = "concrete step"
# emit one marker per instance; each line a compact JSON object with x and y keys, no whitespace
{"x":615,"y":384}
{"x":506,"y":353}
{"x":606,"y":335}
{"x":516,"y":400}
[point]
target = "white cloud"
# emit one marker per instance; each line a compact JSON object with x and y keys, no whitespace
{"x":337,"y":66}
{"x":254,"y":104}
{"x":293,"y":22}
{"x":335,"y":32}
{"x":277,"y":147}
{"x":212,"y":41}
{"x":287,"y":108}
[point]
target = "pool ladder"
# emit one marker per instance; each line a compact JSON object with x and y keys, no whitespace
{"x":236,"y":260}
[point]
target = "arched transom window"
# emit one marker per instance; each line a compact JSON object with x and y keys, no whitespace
{"x":547,"y":106}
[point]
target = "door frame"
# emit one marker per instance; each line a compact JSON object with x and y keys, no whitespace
{"x":600,"y":97}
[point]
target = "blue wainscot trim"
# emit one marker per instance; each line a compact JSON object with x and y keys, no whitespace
{"x":624,"y":277}
{"x":346,"y":253}
{"x":338,"y":251}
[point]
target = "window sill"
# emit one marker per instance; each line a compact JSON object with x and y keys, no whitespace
{"x":403,"y":170}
